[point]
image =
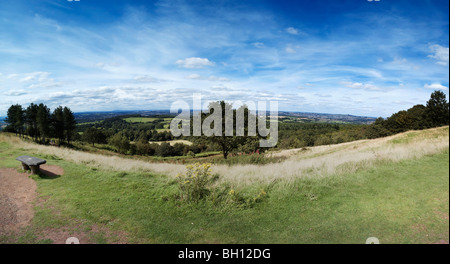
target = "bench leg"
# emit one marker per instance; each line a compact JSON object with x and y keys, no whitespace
{"x":34,"y":169}
{"x":25,"y":166}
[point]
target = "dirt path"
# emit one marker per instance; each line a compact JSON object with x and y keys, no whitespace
{"x":17,"y":201}
{"x":17,"y":192}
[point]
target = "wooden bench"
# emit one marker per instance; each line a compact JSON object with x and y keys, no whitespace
{"x":31,"y":163}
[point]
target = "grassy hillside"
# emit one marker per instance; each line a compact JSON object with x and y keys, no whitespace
{"x":395,"y":189}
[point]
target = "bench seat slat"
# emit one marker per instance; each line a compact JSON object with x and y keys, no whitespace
{"x":31,"y":161}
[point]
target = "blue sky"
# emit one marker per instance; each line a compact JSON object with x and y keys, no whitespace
{"x":357,"y":57}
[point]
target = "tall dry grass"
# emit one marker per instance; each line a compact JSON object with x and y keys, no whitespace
{"x":318,"y":161}
{"x":341,"y":159}
{"x":113,"y":163}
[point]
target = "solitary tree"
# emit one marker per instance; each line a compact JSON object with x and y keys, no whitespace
{"x":93,"y":135}
{"x":233,"y":131}
{"x":438,"y":109}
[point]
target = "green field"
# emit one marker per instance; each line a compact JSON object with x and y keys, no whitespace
{"x":89,"y":123}
{"x":146,"y":119}
{"x":397,"y":202}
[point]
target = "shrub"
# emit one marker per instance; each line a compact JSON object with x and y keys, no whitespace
{"x":120,"y":142}
{"x":164,"y":150}
{"x":245,"y":201}
{"x":142,"y":147}
{"x":193,"y":185}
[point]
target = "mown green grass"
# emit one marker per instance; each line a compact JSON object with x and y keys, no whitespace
{"x":404,"y":202}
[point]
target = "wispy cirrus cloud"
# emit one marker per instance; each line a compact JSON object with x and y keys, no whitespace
{"x":35,"y":76}
{"x":15,"y":93}
{"x":146,"y":56}
{"x":440,"y":54}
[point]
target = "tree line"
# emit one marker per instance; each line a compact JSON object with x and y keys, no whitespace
{"x":434,"y":114}
{"x":133,"y":131}
{"x":119,"y":133}
{"x":38,"y":122}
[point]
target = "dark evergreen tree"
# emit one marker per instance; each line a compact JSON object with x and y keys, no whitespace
{"x":69,"y":124}
{"x":31,"y":120}
{"x":58,"y":124}
{"x":43,"y":121}
{"x":16,"y":119}
{"x":438,"y":109}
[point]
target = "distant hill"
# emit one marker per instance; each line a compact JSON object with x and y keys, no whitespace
{"x":321,"y":117}
{"x":2,"y":122}
{"x":82,"y":117}
{"x":297,"y":116}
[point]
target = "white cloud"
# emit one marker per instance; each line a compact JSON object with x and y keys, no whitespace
{"x":221,"y":79}
{"x":27,"y":79}
{"x":398,"y":60}
{"x":440,"y":53}
{"x":147,"y":79}
{"x":35,"y":76}
{"x":195,"y":76}
{"x":290,"y":50}
{"x":12,"y":76}
{"x":358,"y":85}
{"x":219,"y":87}
{"x":100,"y":65}
{"x":48,"y":84}
{"x":15,"y":93}
{"x":36,"y":80}
{"x":194,"y":63}
{"x":47,"y":22}
{"x":258,"y":44}
{"x":292,"y":31}
{"x":435,"y":86}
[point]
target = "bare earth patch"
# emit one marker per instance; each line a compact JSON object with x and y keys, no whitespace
{"x":17,"y":192}
{"x":60,"y":235}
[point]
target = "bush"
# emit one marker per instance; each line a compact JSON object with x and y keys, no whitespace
{"x":193,"y":185}
{"x":178,"y":149}
{"x":164,"y":150}
{"x":120,"y":142}
{"x":142,"y":147}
